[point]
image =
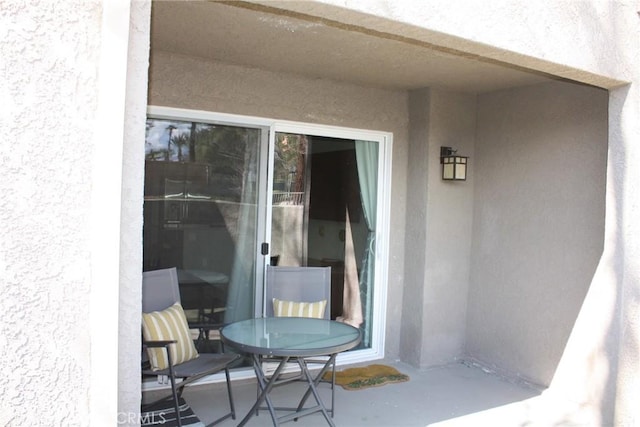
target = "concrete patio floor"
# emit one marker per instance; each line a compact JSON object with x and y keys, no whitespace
{"x":449,"y":396}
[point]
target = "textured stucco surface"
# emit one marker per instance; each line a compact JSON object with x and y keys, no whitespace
{"x":449,"y":218}
{"x":438,"y":241}
{"x":218,"y":31}
{"x":49,"y":79}
{"x":187,"y":82}
{"x":538,"y":222}
{"x":568,"y":40}
{"x":412,"y":320}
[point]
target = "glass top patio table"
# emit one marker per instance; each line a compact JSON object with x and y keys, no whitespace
{"x":290,"y":336}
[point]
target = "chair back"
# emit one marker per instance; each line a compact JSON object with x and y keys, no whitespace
{"x":300,"y":284}
{"x":160,"y":289}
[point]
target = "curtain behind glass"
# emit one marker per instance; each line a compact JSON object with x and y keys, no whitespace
{"x":241,"y":294}
{"x":367,"y":161}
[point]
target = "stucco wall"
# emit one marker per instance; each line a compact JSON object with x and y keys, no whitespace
{"x":449,"y":218}
{"x":188,"y":82}
{"x":49,"y":79}
{"x":438,"y":234}
{"x":578,"y":40}
{"x":540,"y":171}
{"x":411,"y":326}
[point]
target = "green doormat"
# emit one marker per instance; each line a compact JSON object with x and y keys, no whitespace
{"x":367,"y":376}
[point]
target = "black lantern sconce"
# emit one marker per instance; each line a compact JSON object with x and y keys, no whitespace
{"x":454,"y":167}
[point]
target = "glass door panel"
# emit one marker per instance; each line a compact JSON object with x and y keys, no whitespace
{"x":289,"y":212}
{"x":321,"y":216}
{"x":201,"y":214}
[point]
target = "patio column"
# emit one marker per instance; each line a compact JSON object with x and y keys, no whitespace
{"x":438,"y":237}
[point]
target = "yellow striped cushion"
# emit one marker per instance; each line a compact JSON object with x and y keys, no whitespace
{"x":299,"y":309}
{"x":168,"y":324}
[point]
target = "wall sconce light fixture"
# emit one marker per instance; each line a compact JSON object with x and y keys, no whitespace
{"x":454,"y":167}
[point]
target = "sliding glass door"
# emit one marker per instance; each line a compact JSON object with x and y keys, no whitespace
{"x":226,"y":195}
{"x":201,"y":210}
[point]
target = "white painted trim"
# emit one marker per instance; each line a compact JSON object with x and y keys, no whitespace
{"x":106,"y":203}
{"x":330,"y":131}
{"x":383,"y":234}
{"x":267,"y":215}
{"x":160,"y":112}
{"x":265,"y":196}
{"x":385,"y":141}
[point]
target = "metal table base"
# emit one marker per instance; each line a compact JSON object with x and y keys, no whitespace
{"x":266,"y":385}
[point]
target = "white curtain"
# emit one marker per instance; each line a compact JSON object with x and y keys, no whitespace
{"x":367,"y":161}
{"x":241,"y":293}
{"x":352,"y":302}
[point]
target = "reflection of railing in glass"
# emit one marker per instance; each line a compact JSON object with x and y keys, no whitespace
{"x":288,"y":198}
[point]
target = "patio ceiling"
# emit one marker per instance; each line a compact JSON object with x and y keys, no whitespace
{"x":280,"y":41}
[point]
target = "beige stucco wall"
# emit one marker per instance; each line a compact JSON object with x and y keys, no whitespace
{"x":411,"y":322}
{"x":187,"y":82}
{"x":569,"y":40}
{"x":438,"y":233}
{"x":46,"y":203}
{"x":452,"y":123}
{"x":63,"y":85}
{"x":538,"y":223}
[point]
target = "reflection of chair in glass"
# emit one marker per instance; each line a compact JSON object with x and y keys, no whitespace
{"x":301,"y":292}
{"x":170,"y":348}
{"x":203,"y":295}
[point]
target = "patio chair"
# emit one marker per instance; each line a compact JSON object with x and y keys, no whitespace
{"x":298,"y":284}
{"x":170,"y":347}
{"x":301,"y":292}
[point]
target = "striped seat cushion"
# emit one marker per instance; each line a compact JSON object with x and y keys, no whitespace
{"x":168,"y":324}
{"x":283,"y":308}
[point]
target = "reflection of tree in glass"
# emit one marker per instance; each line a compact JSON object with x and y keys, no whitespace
{"x":166,"y":145}
{"x":229,"y":151}
{"x":290,"y":154}
{"x":180,"y":141}
{"x":170,"y":129}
